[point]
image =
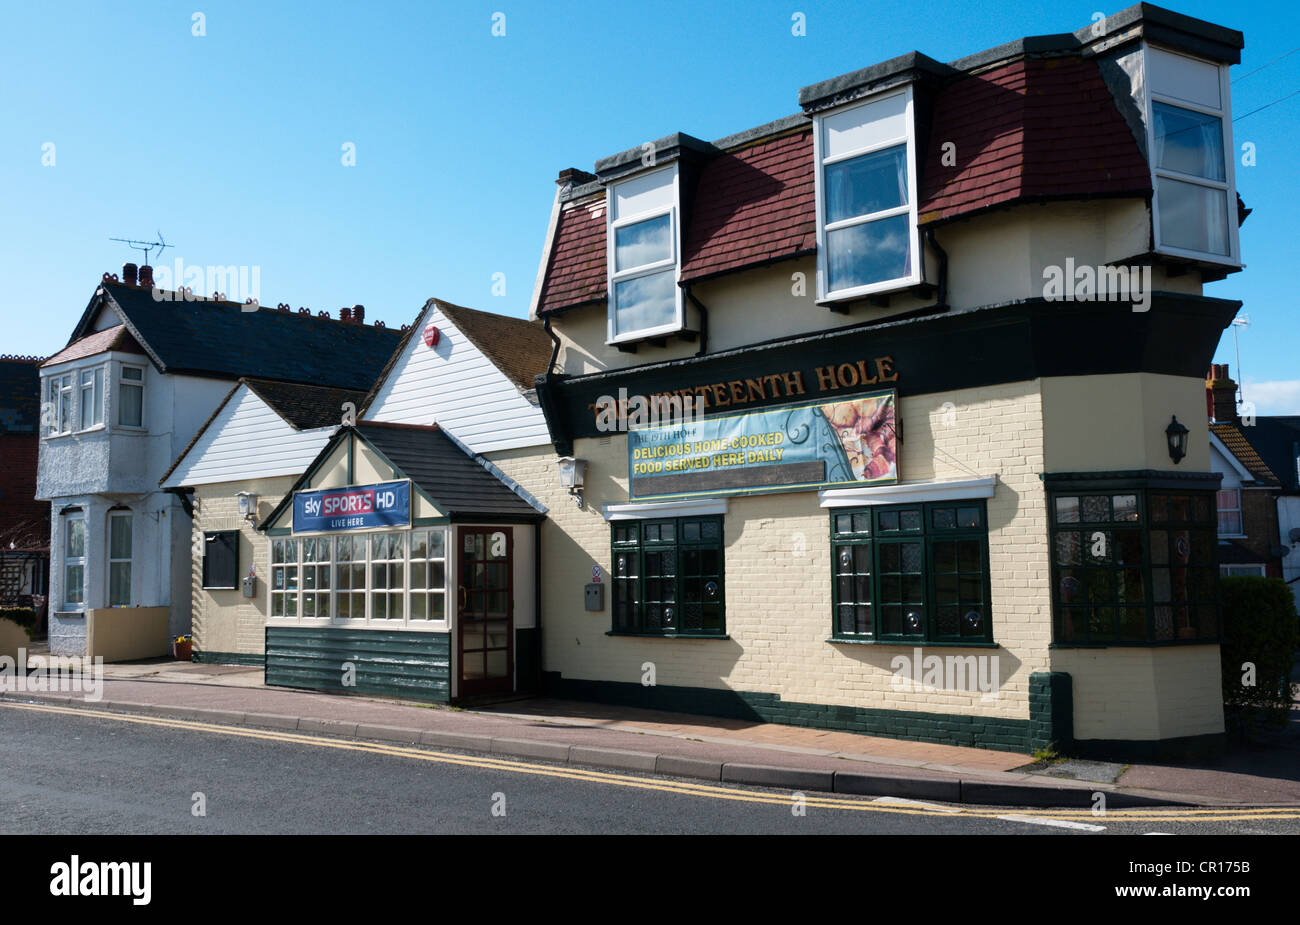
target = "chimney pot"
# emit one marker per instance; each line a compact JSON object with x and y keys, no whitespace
{"x":359,"y":314}
{"x":345,"y":315}
{"x":129,"y":274}
{"x":146,"y":276}
{"x":1221,"y":394}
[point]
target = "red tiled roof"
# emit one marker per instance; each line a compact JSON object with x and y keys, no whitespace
{"x":1033,"y":128}
{"x":114,"y":338}
{"x":755,"y":204}
{"x":1240,"y":447}
{"x":576,"y":272}
{"x":1040,"y":127}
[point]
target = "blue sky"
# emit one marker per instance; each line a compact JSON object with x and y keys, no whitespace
{"x":231,"y":143}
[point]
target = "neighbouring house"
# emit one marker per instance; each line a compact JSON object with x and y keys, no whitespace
{"x":1248,"y":498}
{"x":391,"y":554}
{"x":946,"y":470}
{"x":24,"y":521}
{"x":143,"y":370}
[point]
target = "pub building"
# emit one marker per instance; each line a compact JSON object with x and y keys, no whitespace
{"x":889,"y":415}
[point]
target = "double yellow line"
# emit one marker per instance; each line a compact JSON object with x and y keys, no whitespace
{"x":710,"y":791}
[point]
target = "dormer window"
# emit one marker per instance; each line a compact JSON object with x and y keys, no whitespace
{"x":867,"y":238}
{"x":644,"y":299}
{"x":1189,"y":137}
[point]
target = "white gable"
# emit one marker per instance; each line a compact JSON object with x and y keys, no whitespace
{"x":454,"y":385}
{"x":1222,"y":460}
{"x":248,"y":440}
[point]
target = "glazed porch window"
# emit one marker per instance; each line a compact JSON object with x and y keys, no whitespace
{"x":911,"y":573}
{"x":428,"y":580}
{"x":284,"y":578}
{"x":316,"y":576}
{"x":387,"y":576}
{"x":350,"y":578}
{"x":119,"y":560}
{"x":1135,"y":567}
{"x":668,"y":577}
{"x":74,"y":562}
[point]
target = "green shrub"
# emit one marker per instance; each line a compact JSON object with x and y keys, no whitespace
{"x":1259,"y":630}
{"x":23,"y":616}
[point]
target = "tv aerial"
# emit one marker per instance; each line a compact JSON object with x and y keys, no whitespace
{"x":146,"y":246}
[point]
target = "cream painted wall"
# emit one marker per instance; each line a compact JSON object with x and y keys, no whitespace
{"x":226,"y":621}
{"x":777,"y":561}
{"x":1098,"y":423}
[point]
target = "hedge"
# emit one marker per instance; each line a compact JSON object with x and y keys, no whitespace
{"x":23,"y":616}
{"x":1258,"y":650}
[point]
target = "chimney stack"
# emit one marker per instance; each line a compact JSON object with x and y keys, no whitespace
{"x":1221,"y":394}
{"x":359,"y":314}
{"x":146,"y":276}
{"x":345,"y":315}
{"x":128,"y":274}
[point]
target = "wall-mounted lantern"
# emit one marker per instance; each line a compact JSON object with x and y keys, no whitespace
{"x":1177,"y":436}
{"x":247,"y":505}
{"x":572,"y":473}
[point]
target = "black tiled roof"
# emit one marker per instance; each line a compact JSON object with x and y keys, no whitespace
{"x":306,"y":407}
{"x":1276,"y":438}
{"x":219,"y":339}
{"x":454,"y":481}
{"x":20,"y":396}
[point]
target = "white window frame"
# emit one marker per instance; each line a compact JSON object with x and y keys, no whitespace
{"x":1238,"y":509}
{"x":1224,"y":115}
{"x":440,"y":625}
{"x":613,"y":276}
{"x":70,"y":561}
{"x":59,"y":400}
{"x":130,"y":383}
{"x":820,"y":164}
{"x":1225,"y":570}
{"x":95,"y":402}
{"x":129,"y":561}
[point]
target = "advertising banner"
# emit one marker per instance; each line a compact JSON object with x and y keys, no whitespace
{"x":357,"y":507}
{"x":847,"y":442}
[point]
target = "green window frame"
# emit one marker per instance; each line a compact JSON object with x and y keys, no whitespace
{"x":668,"y":577}
{"x":1134,"y":566}
{"x":911,"y":573}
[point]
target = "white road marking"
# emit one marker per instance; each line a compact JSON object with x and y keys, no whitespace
{"x":900,"y":801}
{"x":1058,"y":823}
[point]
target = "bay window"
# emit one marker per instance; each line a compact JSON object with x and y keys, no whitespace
{"x":130,"y":396}
{"x":644,"y":298}
{"x":1133,"y":566}
{"x":58,"y":414}
{"x":1190,"y":149}
{"x":867,"y":239}
{"x":92,"y":398}
{"x":915,"y":573}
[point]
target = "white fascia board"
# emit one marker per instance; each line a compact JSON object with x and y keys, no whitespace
{"x":650,"y":510}
{"x":546,"y":256}
{"x":1230,"y":457}
{"x":951,"y":490}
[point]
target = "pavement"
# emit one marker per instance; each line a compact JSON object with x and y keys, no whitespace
{"x":705,"y":748}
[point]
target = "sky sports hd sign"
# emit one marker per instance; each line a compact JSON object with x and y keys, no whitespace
{"x":358,"y":507}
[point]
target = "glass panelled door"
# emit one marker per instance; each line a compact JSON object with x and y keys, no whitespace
{"x":485,"y":620}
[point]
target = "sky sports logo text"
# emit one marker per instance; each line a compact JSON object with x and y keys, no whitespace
{"x":76,"y":877}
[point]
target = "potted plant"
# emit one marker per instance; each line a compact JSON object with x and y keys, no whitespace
{"x":183,"y":648}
